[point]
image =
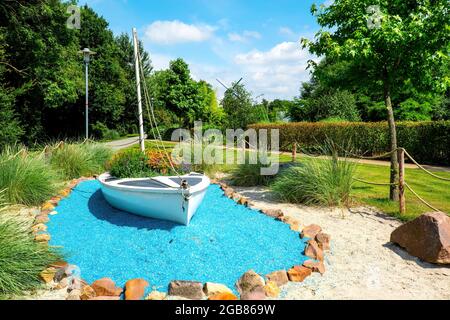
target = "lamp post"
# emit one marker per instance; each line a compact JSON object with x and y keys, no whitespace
{"x":87,"y":58}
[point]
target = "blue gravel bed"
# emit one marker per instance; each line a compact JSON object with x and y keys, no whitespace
{"x":223,"y":241}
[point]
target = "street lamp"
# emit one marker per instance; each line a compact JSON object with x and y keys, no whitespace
{"x":87,"y":58}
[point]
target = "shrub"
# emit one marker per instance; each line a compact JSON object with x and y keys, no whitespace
{"x":21,"y":258}
{"x":426,"y":141}
{"x":76,"y":160}
{"x":27,"y":179}
{"x":326,"y":182}
{"x":101,"y":131}
{"x":135,"y":164}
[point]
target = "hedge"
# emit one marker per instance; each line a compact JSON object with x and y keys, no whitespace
{"x":428,"y":142}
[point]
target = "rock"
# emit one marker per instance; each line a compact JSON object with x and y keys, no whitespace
{"x":62,"y":284}
{"x":212,"y":289}
{"x":39,"y":227}
{"x":55,"y":200}
{"x":87,"y":292}
{"x":313,"y":251}
{"x":315,"y":266}
{"x":106,"y":287}
{"x":298,"y":273}
{"x":243,"y":201}
{"x":323,"y":240}
{"x":279,"y":277}
{"x":42,"y":237}
{"x":273,"y":213}
{"x":59,"y":264}
{"x":48,"y":206}
{"x":135,"y":289}
{"x":156,"y":295}
{"x":65,"y":192}
{"x":295,"y":227}
{"x":106,"y":298}
{"x":186,"y":289}
{"x":271,"y":289}
{"x":229,"y":192}
{"x":290,"y":221}
{"x":48,"y":274}
{"x":311,"y":231}
{"x":257,"y":293}
{"x":74,"y":295}
{"x":41,"y":218}
{"x":53,"y":213}
{"x":426,"y":237}
{"x":224,"y":296}
{"x":249,"y":281}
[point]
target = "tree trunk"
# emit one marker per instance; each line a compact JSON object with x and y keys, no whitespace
{"x":394,"y":192}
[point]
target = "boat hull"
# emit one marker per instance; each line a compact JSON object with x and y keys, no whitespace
{"x":164,"y":203}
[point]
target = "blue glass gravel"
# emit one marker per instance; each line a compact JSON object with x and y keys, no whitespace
{"x":223,"y":241}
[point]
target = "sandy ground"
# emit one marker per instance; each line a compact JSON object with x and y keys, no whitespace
{"x":362,"y":264}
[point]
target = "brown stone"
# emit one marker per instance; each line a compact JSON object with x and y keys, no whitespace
{"x":311,"y":231}
{"x":315,"y":266}
{"x":135,"y":289}
{"x":48,"y":274}
{"x":249,"y":281}
{"x":187,"y":289}
{"x":106,"y":287}
{"x":313,"y":251}
{"x":74,"y":295}
{"x":224,"y":296}
{"x":64,"y":283}
{"x":323,"y":240}
{"x":39,"y":227}
{"x":87,"y":293}
{"x":59,"y":264}
{"x":48,"y":206}
{"x":426,"y":237}
{"x":243,"y":201}
{"x":299,"y":273}
{"x":273,"y":213}
{"x":41,"y":218}
{"x":65,"y":192}
{"x":295,"y":227}
{"x":105,"y":298}
{"x":212,"y":289}
{"x":279,"y":277}
{"x":257,"y":293}
{"x":156,"y":295}
{"x":42,"y":237}
{"x":271,"y":289}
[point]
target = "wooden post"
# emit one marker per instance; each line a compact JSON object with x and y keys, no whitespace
{"x":401,"y":180}
{"x":294,"y":152}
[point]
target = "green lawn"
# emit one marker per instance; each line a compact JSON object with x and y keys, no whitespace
{"x":435,"y":191}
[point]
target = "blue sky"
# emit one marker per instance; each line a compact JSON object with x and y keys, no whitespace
{"x":224,"y":39}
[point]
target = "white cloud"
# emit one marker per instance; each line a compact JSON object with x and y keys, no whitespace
{"x":286,"y":31}
{"x":173,"y":32}
{"x":244,"y":37}
{"x":277,"y":72}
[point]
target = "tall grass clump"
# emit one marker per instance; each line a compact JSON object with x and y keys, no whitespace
{"x":319,"y":181}
{"x":21,"y":258}
{"x":26,"y":178}
{"x":249,"y":175}
{"x":76,"y":160}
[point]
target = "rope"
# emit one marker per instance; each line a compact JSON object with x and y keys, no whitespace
{"x":369,"y":158}
{"x":152,"y":118}
{"x":375,"y":183}
{"x":421,"y":167}
{"x":421,"y":199}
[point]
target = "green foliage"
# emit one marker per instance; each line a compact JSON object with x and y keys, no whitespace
{"x":426,"y":141}
{"x":133,"y":163}
{"x":325,"y":182}
{"x":100,"y":131}
{"x":26,"y":179}
{"x":238,"y":106}
{"x":249,"y":175}
{"x":21,"y":258}
{"x":76,"y":160}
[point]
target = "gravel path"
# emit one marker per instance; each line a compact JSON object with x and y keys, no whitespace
{"x":362,"y":264}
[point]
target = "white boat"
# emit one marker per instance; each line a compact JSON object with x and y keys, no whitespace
{"x":174,"y":199}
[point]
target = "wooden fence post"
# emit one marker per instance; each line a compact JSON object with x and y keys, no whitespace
{"x":294,"y":152}
{"x":401,"y":180}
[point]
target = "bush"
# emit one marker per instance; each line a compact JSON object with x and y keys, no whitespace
{"x":326,"y":182}
{"x":426,"y":141}
{"x":101,"y":131}
{"x":135,"y":164}
{"x":76,"y":160}
{"x":249,"y":175}
{"x":26,"y":179}
{"x":21,"y":258}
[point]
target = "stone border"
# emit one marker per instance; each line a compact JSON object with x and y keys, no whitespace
{"x":251,"y":286}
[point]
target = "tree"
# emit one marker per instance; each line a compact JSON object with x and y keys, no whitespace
{"x":237,"y":104}
{"x":395,"y":41}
